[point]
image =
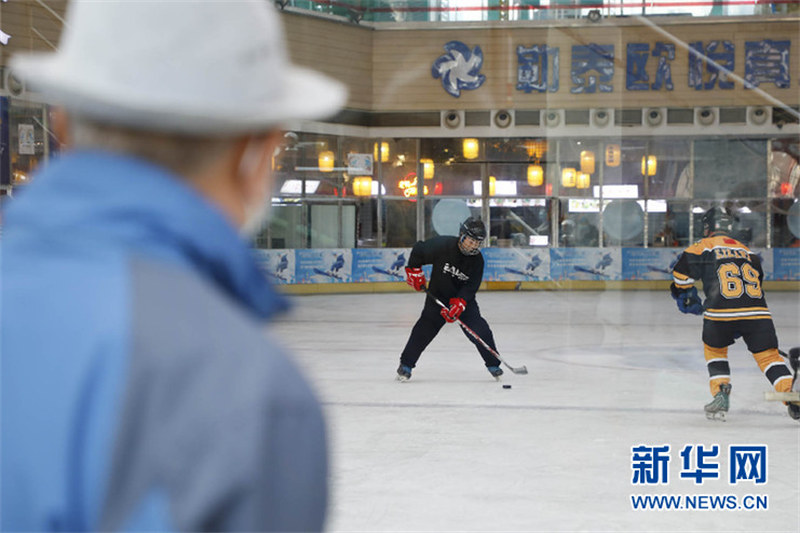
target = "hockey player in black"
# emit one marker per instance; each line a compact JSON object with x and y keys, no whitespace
{"x":734,"y":307}
{"x":455,"y":277}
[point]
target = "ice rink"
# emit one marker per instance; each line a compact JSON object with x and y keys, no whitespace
{"x":451,"y":450}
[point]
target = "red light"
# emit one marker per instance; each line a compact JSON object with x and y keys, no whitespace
{"x":548,"y":189}
{"x":786,"y":188}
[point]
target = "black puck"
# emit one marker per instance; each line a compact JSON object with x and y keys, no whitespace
{"x":506,"y":386}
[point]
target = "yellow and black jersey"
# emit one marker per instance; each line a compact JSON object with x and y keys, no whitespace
{"x":731,"y":276}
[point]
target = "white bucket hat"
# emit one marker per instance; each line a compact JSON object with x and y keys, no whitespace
{"x":211,"y":67}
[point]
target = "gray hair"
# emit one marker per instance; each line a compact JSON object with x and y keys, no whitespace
{"x":180,"y":153}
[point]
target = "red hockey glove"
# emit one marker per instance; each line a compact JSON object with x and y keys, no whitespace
{"x":457,"y":306}
{"x":416,"y":278}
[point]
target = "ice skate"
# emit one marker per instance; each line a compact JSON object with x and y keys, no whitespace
{"x":495,"y":371}
{"x":718,"y":408}
{"x":403,"y":373}
{"x":794,"y":363}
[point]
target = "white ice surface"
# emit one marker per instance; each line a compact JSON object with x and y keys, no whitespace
{"x":451,"y":450}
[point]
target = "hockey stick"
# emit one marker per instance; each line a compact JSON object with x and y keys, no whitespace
{"x":792,"y":397}
{"x":517,"y":370}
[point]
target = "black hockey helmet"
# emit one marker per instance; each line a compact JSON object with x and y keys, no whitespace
{"x":718,"y":220}
{"x":474,"y":229}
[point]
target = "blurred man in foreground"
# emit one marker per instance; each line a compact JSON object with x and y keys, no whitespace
{"x":139,"y":390}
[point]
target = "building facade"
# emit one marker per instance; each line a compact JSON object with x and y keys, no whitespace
{"x":589,"y":132}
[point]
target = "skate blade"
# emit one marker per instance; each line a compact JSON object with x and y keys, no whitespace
{"x":719,"y":416}
{"x":401,"y":379}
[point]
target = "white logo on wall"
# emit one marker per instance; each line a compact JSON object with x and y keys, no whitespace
{"x":27,"y":142}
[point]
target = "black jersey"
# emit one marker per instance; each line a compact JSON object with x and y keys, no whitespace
{"x":454,"y":275}
{"x":731,"y":275}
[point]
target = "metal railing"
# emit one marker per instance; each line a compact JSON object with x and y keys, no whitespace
{"x":452,"y":11}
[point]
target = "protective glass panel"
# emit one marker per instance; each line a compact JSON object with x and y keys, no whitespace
{"x":400,"y":229}
{"x":730,"y":168}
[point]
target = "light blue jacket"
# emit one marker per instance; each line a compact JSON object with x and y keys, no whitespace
{"x":139,"y":390}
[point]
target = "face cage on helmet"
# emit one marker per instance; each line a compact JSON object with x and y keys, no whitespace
{"x":471,"y":251}
{"x":722,"y":224}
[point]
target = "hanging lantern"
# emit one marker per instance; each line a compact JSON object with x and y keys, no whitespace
{"x":587,"y":162}
{"x":383,"y":157}
{"x":649,"y":165}
{"x":326,"y":159}
{"x":568,"y":177}
{"x":583,"y":180}
{"x":427,"y":168}
{"x":613,"y":155}
{"x":362,"y":185}
{"x":492,"y":185}
{"x":535,"y":175}
{"x":471,"y":148}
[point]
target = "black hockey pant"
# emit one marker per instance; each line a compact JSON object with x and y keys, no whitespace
{"x":761,"y":340}
{"x":431,"y":321}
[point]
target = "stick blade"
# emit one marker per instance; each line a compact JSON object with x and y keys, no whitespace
{"x":519,"y":370}
{"x":774,"y":396}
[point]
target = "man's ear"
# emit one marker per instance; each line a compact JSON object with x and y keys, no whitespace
{"x":254,"y":163}
{"x":59,"y":124}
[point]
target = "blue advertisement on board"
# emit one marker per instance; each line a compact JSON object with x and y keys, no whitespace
{"x":785,"y":264}
{"x":288,"y":266}
{"x":324,"y":266}
{"x":380,"y":264}
{"x":586,"y":264}
{"x":649,"y":263}
{"x":278,"y":265}
{"x":516,"y":264}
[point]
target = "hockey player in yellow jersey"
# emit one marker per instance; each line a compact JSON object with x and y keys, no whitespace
{"x":734,"y":307}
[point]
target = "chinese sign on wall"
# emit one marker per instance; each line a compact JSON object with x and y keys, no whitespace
{"x":592,"y":67}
